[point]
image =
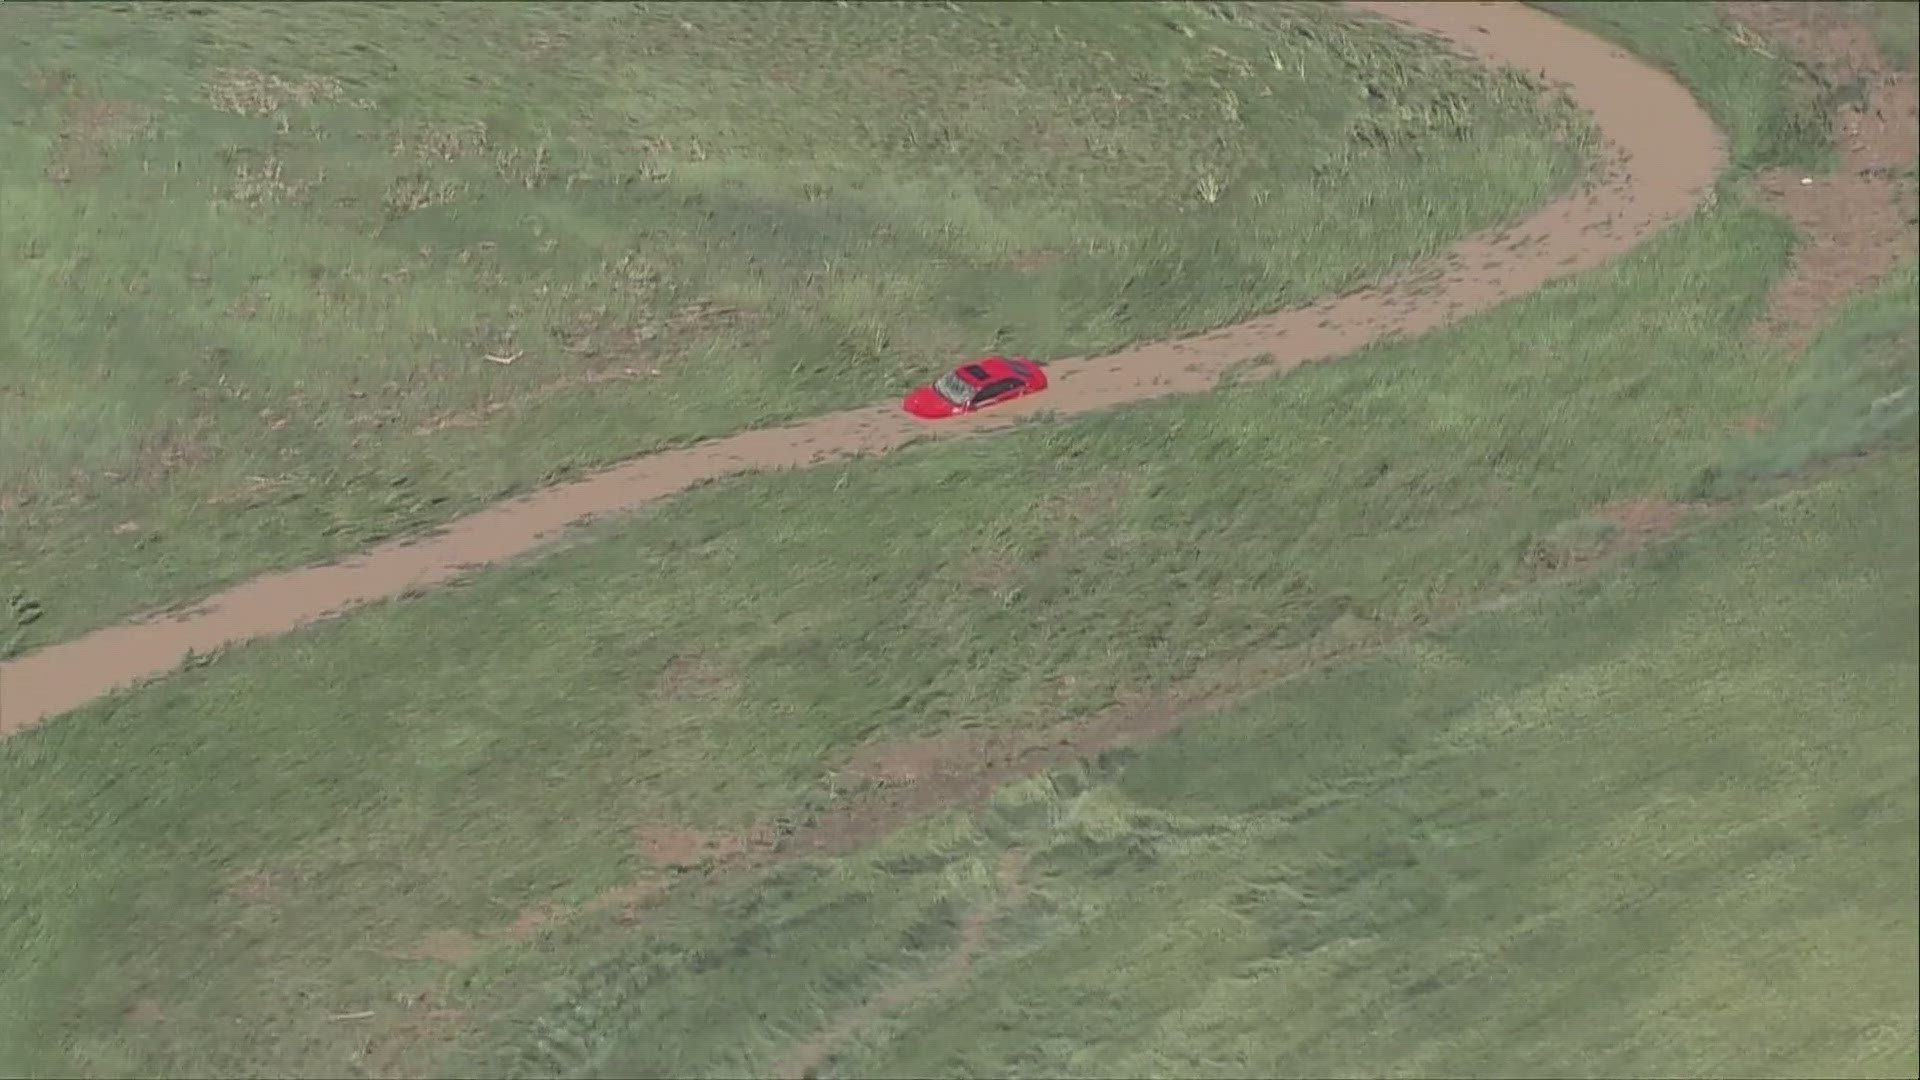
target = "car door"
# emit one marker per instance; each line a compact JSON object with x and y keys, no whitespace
{"x":994,"y":391}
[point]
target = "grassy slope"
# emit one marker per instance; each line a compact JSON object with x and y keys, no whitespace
{"x":1659,"y":823}
{"x":1662,"y":823}
{"x":287,"y":857}
{"x":229,"y":321}
{"x":1859,"y":391}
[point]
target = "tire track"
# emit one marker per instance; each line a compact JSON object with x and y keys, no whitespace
{"x":1663,"y":154}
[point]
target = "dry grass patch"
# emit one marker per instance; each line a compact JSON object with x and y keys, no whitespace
{"x":91,"y":130}
{"x":246,"y":91}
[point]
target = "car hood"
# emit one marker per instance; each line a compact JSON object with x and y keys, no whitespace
{"x":926,"y":403}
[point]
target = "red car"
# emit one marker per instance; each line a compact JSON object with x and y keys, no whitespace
{"x":989,"y":380}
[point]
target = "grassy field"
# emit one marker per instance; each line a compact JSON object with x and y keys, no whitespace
{"x":1659,"y":823}
{"x":208,"y":871}
{"x":1653,"y":818}
{"x":1485,"y":811}
{"x":257,"y":255}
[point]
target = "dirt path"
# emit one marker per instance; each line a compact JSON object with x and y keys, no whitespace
{"x":1859,"y":223}
{"x":1664,"y":153}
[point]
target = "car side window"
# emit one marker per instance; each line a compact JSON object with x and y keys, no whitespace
{"x":995,"y":389}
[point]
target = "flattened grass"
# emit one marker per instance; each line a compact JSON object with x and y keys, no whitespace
{"x":257,"y":255}
{"x":1665,"y":822}
{"x":1858,"y":389}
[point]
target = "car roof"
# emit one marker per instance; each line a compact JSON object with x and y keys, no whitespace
{"x":986,"y":369}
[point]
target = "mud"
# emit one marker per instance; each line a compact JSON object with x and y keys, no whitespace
{"x":1859,"y":223}
{"x":1663,"y":155}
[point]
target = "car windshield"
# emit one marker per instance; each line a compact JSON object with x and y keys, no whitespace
{"x":955,"y":389}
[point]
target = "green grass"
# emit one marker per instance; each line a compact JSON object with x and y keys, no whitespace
{"x":1660,"y":823}
{"x":1858,"y":388}
{"x":256,"y":254}
{"x":1896,"y":29}
{"x":708,"y":663}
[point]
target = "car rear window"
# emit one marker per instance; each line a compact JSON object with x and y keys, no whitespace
{"x":1020,"y":368}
